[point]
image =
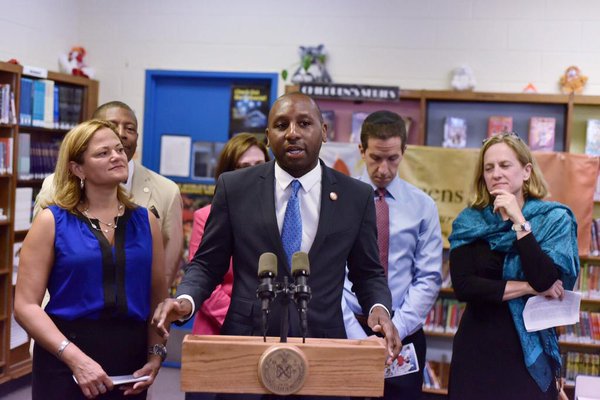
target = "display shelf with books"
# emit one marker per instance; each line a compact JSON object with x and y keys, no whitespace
{"x":21,"y":177}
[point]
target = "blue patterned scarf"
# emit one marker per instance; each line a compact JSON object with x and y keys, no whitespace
{"x":555,"y":229}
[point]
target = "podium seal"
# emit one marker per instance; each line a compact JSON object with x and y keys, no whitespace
{"x":282,"y":369}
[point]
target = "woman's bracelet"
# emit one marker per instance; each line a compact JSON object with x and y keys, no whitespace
{"x":63,"y":345}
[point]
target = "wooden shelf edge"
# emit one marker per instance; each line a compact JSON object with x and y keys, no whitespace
{"x":20,"y":369}
{"x":438,"y":334}
{"x":435,"y":391}
{"x":579,"y":345}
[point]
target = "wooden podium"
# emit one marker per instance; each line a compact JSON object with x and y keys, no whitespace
{"x":247,"y":364}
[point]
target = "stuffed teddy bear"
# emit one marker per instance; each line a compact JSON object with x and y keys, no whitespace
{"x":73,"y":64}
{"x":572,"y":80}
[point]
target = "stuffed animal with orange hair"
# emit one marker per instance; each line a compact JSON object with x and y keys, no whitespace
{"x":572,"y":80}
{"x":73,"y":64}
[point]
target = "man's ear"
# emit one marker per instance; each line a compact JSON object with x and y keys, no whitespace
{"x":362,"y":150}
{"x":324,"y":131}
{"x":267,"y":137}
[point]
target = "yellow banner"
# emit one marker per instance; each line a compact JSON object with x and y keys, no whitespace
{"x":447,"y":176}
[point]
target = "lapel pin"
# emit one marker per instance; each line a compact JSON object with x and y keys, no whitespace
{"x":333,"y":196}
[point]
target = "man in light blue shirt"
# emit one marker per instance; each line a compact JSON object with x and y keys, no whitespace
{"x":412,"y":241}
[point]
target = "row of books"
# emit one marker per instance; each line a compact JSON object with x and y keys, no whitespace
{"x":7,"y":104}
{"x":575,"y":363}
{"x":588,"y":282}
{"x":37,"y":159}
{"x":431,"y":380}
{"x":541,"y":131}
{"x":6,"y":155}
{"x":595,"y":242}
{"x":444,"y":316}
{"x":48,"y":105}
{"x":587,"y":330}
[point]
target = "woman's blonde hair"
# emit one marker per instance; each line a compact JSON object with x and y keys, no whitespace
{"x":67,"y":190}
{"x":535,"y":187}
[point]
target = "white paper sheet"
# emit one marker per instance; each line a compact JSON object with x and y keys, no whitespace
{"x":175,"y":155}
{"x":542,"y":313}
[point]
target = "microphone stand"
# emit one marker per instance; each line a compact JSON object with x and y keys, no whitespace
{"x":285,"y":303}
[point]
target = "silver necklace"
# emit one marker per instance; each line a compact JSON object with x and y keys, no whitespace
{"x":109,"y":225}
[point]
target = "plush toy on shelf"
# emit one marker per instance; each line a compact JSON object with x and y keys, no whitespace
{"x":463,"y":78}
{"x":572,"y":81}
{"x":73,"y":64}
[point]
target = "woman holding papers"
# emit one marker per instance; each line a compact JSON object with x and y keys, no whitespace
{"x":101,"y":259}
{"x":507,"y":246}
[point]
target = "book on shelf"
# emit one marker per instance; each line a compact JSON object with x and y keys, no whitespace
{"x":25,"y":102}
{"x":7,"y":104}
{"x":6,"y":155}
{"x":586,"y":331}
{"x":588,"y":281}
{"x":23,"y":208}
{"x":542,"y":133}
{"x":592,"y":137}
{"x":358,"y":118}
{"x":499,"y":124}
{"x":455,"y":132}
{"x":577,"y":363}
{"x":444,"y":316}
{"x":329,"y":119}
{"x":430,"y":377}
{"x":24,"y":164}
{"x":47,"y":104}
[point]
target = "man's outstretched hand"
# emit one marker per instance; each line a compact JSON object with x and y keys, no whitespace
{"x":379,"y":321}
{"x":167,"y":311}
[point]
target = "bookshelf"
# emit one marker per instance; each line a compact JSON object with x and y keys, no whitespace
{"x":14,"y":344}
{"x":428,"y":110}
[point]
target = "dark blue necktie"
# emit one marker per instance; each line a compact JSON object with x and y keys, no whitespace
{"x":291,"y":231}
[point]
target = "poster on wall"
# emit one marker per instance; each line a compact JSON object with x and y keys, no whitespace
{"x":169,"y":163}
{"x":249,"y":109}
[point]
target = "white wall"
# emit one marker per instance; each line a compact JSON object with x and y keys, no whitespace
{"x":410,"y":43}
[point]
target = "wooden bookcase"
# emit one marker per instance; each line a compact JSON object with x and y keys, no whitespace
{"x":428,"y":110}
{"x":15,"y":360}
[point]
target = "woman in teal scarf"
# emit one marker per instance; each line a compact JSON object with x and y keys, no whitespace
{"x":507,"y":246}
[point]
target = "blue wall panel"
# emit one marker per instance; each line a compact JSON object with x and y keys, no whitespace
{"x":190,"y":103}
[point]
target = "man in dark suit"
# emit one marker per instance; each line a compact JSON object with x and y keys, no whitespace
{"x":247,"y":218}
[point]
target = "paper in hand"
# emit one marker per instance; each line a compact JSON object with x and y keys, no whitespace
{"x":123,"y":379}
{"x":543,"y":313}
{"x":406,"y":363}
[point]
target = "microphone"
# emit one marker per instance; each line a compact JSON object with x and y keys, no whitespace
{"x":302,"y":293}
{"x":267,"y":271}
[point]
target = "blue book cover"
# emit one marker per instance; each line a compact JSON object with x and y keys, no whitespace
{"x":39,"y":99}
{"x":25,"y":101}
{"x":56,"y":118}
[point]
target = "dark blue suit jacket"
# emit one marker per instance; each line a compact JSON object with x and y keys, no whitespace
{"x":243,"y":225}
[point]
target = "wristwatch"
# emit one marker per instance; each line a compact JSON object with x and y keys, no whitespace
{"x":158,"y":349}
{"x":524,"y":227}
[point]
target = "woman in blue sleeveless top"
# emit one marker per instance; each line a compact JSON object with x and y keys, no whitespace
{"x":101,"y":258}
{"x":507,"y":246}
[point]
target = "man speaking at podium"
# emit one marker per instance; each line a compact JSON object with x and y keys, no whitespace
{"x":331,"y":217}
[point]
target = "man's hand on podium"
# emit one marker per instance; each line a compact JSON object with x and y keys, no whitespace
{"x":167,"y":311}
{"x":379,"y":321}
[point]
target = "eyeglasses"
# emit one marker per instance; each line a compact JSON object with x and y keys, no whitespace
{"x":502,"y":134}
